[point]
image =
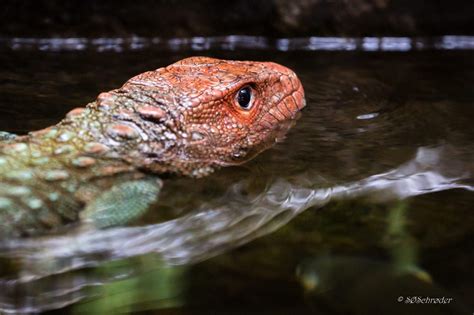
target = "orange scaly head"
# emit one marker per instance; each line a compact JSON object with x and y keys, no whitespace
{"x":201,"y":113}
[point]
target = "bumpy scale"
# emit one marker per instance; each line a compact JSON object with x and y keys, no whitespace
{"x":101,"y":163}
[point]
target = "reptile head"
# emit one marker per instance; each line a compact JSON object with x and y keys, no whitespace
{"x":215,"y":112}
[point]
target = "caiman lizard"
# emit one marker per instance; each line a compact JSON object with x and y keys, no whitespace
{"x":101,"y":164}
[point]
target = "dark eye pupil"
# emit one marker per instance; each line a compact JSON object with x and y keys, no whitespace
{"x":244,"y":96}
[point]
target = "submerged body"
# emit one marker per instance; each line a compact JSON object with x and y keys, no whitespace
{"x":101,"y":164}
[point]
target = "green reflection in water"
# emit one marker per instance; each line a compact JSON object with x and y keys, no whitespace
{"x":152,"y":287}
{"x":401,"y":245}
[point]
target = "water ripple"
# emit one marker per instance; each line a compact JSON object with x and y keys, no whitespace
{"x":232,"y":220}
{"x":217,"y":227}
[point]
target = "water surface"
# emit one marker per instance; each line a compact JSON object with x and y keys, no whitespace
{"x":375,"y":176}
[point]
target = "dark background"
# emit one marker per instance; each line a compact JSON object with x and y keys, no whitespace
{"x":273,"y":18}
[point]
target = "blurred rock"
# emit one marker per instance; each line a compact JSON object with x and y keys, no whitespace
{"x":274,"y":18}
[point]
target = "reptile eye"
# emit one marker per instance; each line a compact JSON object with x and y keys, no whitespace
{"x":244,"y":97}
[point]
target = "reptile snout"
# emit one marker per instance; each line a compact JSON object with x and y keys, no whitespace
{"x":286,"y":97}
{"x":294,"y":100}
{"x":292,"y":88}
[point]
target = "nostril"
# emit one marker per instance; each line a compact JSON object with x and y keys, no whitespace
{"x":296,"y":83}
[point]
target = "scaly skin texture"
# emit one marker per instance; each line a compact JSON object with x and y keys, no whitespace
{"x":101,"y":163}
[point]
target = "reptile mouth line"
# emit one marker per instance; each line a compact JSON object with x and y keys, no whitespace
{"x":277,"y":135}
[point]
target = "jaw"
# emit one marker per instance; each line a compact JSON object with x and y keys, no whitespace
{"x":197,"y":160}
{"x":264,"y":140}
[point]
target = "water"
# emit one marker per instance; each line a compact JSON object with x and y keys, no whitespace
{"x":368,"y":199}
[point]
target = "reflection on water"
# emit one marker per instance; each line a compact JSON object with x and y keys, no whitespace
{"x":357,"y":285}
{"x":232,"y":220}
{"x":381,"y":132}
{"x":354,"y":285}
{"x":223,"y":224}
